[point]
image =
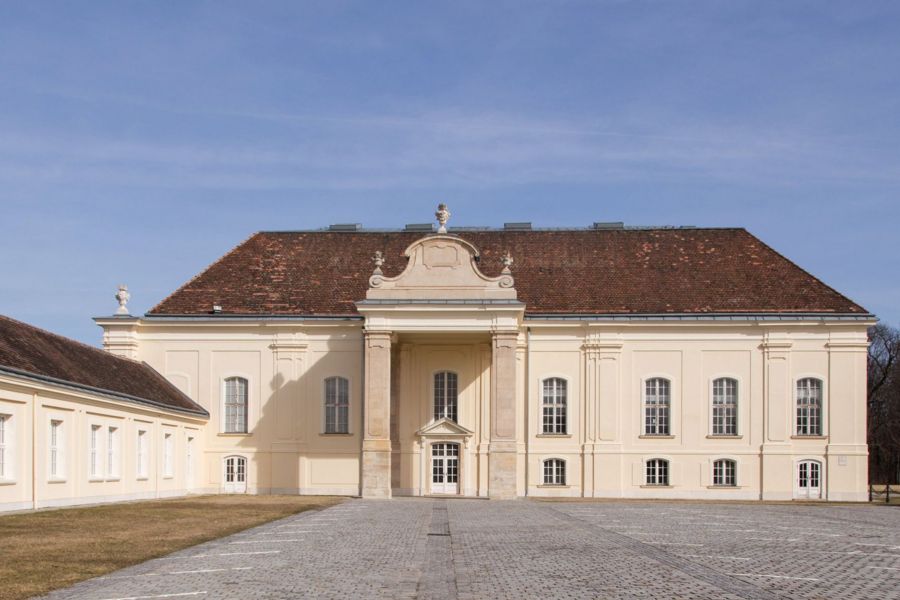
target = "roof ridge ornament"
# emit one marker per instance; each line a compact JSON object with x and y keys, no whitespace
{"x":122,"y":296}
{"x":442,"y":215}
{"x":507,"y":261}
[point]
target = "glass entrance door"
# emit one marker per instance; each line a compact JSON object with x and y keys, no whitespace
{"x":235,"y":475}
{"x":445,"y":468}
{"x":809,"y":478}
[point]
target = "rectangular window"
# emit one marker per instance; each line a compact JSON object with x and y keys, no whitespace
{"x":94,"y":456}
{"x":112,"y":452}
{"x":724,"y":417}
{"x":657,"y":472}
{"x":142,"y":454}
{"x":5,"y":447}
{"x":236,"y":405}
{"x":724,"y":473}
{"x":554,"y":407}
{"x":189,"y":463}
{"x":168,"y":463}
{"x":56,"y":449}
{"x":337,"y":405}
{"x":657,"y":399}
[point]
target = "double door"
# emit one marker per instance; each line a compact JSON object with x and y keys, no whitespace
{"x":445,"y":468}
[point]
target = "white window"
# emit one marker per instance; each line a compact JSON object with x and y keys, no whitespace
{"x":168,"y":462}
{"x":657,"y":400}
{"x":554,"y":471}
{"x":725,"y":473}
{"x":6,"y":447}
{"x":112,"y":452}
{"x":95,"y":451}
{"x":236,"y":405}
{"x":143,"y":456}
{"x":337,"y":405}
{"x":57,"y":450}
{"x":657,"y":472}
{"x":446,"y":395}
{"x":809,"y":406}
{"x":554,"y":406}
{"x":724,"y":406}
{"x":189,"y":463}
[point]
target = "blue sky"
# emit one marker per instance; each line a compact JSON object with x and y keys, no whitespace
{"x":139,"y":141}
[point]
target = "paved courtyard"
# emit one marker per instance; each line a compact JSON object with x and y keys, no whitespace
{"x":428,"y":548}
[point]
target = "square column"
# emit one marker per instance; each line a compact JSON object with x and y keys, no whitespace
{"x":376,"y":448}
{"x":504,"y":459}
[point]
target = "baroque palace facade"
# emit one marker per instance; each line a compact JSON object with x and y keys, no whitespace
{"x":606,"y":362}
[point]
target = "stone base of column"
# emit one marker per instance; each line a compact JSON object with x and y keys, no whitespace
{"x":376,"y":469}
{"x":503,"y":471}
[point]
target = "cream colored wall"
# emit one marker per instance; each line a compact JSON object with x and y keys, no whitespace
{"x":285,"y":365}
{"x":33,"y":405}
{"x":606,"y":367}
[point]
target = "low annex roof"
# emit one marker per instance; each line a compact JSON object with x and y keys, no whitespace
{"x":28,"y":351}
{"x":617,"y":271}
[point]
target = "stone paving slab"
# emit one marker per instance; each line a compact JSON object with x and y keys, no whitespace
{"x":474,"y":549}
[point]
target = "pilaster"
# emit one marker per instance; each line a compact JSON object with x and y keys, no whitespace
{"x":503,"y":462}
{"x":376,"y":467}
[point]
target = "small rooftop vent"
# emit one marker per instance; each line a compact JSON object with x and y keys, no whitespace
{"x":517,"y":226}
{"x":216,"y":308}
{"x":609,"y":225}
{"x":470,"y":228}
{"x":345,"y":227}
{"x":419,"y":227}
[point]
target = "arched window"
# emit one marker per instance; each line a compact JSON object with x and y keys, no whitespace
{"x":554,"y":406}
{"x":725,"y":472}
{"x":446,"y":392}
{"x":554,"y":471}
{"x":236,"y":405}
{"x":337,"y":405}
{"x":809,"y":406}
{"x":657,"y":471}
{"x":657,"y":400}
{"x":724,"y":406}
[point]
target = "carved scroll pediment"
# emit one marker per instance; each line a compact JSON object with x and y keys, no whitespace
{"x":441,"y":267}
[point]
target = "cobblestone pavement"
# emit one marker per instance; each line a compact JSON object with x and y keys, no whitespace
{"x":467,"y":549}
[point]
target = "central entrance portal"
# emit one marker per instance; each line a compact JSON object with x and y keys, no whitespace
{"x":445,"y":468}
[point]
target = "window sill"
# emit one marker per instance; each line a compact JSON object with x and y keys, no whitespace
{"x":724,"y":487}
{"x":724,"y":437}
{"x":234,"y":434}
{"x":335,"y":434}
{"x":656,"y":486}
{"x":554,"y":485}
{"x":56,"y":480}
{"x":143,"y":478}
{"x":113,"y":479}
{"x":653,"y":436}
{"x":95,"y":480}
{"x":809,"y":437}
{"x":554,"y":435}
{"x":7,"y":482}
{"x":168,"y":477}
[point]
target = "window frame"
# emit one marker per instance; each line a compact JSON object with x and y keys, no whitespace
{"x":557,"y":473}
{"x":725,"y":461}
{"x":554,"y":407}
{"x":56,"y":450}
{"x":434,"y":390}
{"x":113,"y":453}
{"x":645,"y":406}
{"x":337,"y":405}
{"x":660,"y":466}
{"x":168,"y":454}
{"x":821,"y":407}
{"x":224,"y":404}
{"x":142,"y":454}
{"x":737,"y":406}
{"x":7,"y":448}
{"x":95,"y":452}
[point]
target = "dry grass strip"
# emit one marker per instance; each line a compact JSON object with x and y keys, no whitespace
{"x":47,"y":550}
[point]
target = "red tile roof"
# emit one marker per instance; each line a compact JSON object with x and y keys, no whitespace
{"x":628,"y":271}
{"x":29,"y":351}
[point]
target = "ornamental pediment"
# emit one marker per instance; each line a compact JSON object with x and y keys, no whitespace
{"x":444,"y":428}
{"x":441,"y":267}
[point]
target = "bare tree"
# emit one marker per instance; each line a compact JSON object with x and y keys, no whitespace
{"x":884,"y":404}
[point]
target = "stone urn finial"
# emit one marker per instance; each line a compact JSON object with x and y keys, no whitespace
{"x":507,"y":261}
{"x":442,"y":215}
{"x":378,"y":259}
{"x":123,"y":297}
